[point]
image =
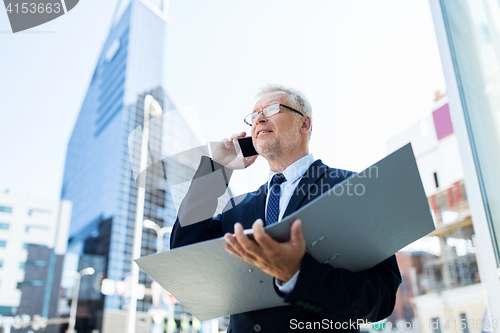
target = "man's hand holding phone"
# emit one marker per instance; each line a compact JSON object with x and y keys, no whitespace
{"x":228,"y":153}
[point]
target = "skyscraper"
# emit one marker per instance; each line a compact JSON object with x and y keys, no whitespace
{"x":99,"y":177}
{"x":33,"y":235}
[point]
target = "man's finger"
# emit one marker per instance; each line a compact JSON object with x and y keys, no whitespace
{"x":250,"y":160}
{"x":296,"y":235}
{"x":248,"y":245}
{"x":237,"y":147}
{"x":226,"y":143}
{"x":229,"y":249}
{"x":261,"y":237}
{"x":237,"y":248}
{"x":247,"y":258}
{"x":233,"y":243}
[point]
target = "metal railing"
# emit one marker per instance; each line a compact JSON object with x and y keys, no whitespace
{"x":450,"y":205}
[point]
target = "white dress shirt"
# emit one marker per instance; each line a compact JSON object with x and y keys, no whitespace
{"x":293,"y":175}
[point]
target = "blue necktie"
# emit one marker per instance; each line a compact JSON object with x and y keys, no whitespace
{"x":273,"y":204}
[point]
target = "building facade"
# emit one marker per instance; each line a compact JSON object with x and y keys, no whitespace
{"x":446,"y":287}
{"x":102,"y":174}
{"x":403,"y":316}
{"x":468,"y":37}
{"x":33,"y":238}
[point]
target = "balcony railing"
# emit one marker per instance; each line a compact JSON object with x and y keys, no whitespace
{"x":451,"y":205}
{"x":448,"y":272}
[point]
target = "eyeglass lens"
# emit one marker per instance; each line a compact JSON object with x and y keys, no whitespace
{"x":267,"y":112}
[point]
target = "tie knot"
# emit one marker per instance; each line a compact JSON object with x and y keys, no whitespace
{"x":278,"y":178}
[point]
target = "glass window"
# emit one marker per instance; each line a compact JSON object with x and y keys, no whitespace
{"x":404,"y":284}
{"x":25,"y":245}
{"x":1,"y":263}
{"x":4,"y":226}
{"x":40,"y":227}
{"x":7,"y":310}
{"x":37,"y":210}
{"x":408,"y":314}
{"x":34,"y":283}
{"x":436,"y":328}
{"x":463,"y":319}
{"x":474,"y":38}
{"x":38,"y":263}
{"x":5,"y":209}
{"x":3,"y":243}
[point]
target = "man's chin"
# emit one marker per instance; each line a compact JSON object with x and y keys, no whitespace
{"x":261,"y":147}
{"x":267,"y":150}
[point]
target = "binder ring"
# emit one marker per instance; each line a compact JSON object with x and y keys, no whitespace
{"x":331,"y":258}
{"x":322,"y":238}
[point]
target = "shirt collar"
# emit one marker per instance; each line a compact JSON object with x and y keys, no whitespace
{"x":294,"y":171}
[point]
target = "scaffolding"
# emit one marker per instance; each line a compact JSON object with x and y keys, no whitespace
{"x":456,"y":264}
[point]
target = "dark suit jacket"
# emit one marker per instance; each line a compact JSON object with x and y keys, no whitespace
{"x":323,"y":295}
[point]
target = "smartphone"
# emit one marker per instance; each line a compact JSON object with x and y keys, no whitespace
{"x":247,"y":148}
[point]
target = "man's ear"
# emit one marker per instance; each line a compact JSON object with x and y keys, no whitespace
{"x":306,"y":125}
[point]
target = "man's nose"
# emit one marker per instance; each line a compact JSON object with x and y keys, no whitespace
{"x":260,"y":118}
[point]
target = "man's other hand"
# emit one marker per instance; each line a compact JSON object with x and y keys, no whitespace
{"x":228,"y":153}
{"x":280,"y":260}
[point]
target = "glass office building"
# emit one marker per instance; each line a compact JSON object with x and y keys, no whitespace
{"x":99,"y":177}
{"x":468,"y":34}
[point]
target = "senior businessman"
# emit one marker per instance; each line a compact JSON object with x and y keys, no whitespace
{"x":317,"y":295}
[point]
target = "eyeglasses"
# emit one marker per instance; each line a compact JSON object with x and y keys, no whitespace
{"x":267,"y":112}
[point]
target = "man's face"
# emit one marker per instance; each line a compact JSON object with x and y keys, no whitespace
{"x":279,"y":134}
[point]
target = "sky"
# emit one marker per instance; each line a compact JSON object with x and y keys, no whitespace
{"x":370,"y":70}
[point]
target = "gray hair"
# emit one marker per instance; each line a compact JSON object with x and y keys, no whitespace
{"x":297,"y":99}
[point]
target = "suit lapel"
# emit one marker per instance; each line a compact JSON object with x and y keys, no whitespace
{"x":315,"y":172}
{"x":259,"y":208}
